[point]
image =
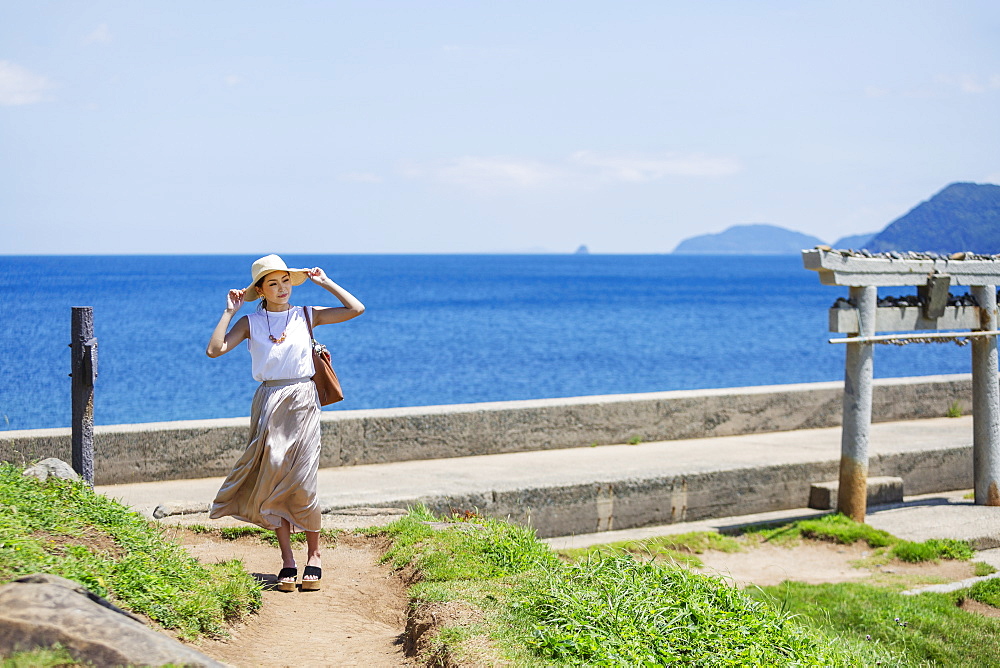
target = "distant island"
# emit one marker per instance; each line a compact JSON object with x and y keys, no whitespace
{"x":855,"y":241}
{"x":962,"y":217}
{"x":755,"y":239}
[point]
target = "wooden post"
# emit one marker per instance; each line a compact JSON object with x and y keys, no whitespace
{"x":852,"y":496}
{"x":986,"y":402}
{"x":83,"y":362}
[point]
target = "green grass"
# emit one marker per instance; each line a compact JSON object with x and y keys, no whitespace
{"x":52,"y":657}
{"x":842,"y":529}
{"x":782,"y":534}
{"x":466,"y":552}
{"x":933,"y":549}
{"x":607,"y":609}
{"x":986,"y":591}
{"x":622,"y":605}
{"x":200,"y":529}
{"x":927,"y":629}
{"x":264,"y":535}
{"x":680,"y":548}
{"x":955,"y":410}
{"x":627,"y":612}
{"x":66,"y":529}
{"x":982,"y":568}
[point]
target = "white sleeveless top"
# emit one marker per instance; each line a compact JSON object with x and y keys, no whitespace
{"x":292,"y":358}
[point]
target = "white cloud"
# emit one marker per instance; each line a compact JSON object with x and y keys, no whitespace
{"x":20,"y":86}
{"x":969,"y":84}
{"x":100,"y":35}
{"x":634,"y":168}
{"x":972,"y":84}
{"x":233,"y":80}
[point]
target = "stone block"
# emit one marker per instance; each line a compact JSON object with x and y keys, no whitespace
{"x":39,"y":611}
{"x":881,"y":490}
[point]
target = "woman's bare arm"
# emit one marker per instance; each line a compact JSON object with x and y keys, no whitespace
{"x":325,"y":315}
{"x":222,"y":341}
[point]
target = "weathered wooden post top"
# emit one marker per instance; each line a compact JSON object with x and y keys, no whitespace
{"x":83,"y":370}
{"x":932,"y":315}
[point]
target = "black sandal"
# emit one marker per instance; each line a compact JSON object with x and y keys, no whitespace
{"x":287,"y":573}
{"x":311,"y":585}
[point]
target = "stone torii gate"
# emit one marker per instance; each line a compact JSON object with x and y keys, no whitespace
{"x":928,"y":320}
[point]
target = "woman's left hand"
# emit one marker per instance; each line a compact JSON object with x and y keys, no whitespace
{"x":316,"y":275}
{"x":325,"y":315}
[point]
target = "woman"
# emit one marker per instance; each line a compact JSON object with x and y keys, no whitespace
{"x":273,"y":485}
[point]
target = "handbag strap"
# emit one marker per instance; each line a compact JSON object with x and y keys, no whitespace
{"x":305,"y":312}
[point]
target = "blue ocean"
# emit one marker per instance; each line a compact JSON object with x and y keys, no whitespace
{"x":439,"y":329}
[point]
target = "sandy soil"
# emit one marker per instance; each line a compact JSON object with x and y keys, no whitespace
{"x":816,"y":562}
{"x":356,"y":619}
{"x":970,"y":605}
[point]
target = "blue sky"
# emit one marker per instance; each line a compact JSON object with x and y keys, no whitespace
{"x":430,"y":126}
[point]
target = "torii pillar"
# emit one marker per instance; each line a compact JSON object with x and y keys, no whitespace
{"x":852,"y":494}
{"x":986,"y":401}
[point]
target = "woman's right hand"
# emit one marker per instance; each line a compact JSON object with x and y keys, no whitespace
{"x":222,"y":341}
{"x":234,"y":300}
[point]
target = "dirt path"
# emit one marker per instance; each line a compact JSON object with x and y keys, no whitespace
{"x":356,"y":619}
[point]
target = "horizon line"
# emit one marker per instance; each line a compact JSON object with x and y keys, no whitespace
{"x":415,"y":254}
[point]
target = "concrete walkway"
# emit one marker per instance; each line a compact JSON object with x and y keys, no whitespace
{"x":595,"y":489}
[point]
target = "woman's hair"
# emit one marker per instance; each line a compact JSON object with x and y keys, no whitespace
{"x":263,"y":300}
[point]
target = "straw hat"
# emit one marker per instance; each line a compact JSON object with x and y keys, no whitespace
{"x":265,"y":266}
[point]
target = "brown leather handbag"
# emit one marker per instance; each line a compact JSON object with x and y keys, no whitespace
{"x":327,"y":383}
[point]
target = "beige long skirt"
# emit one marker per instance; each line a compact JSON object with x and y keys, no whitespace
{"x":275,"y":478}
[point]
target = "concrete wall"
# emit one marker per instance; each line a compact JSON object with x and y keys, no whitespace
{"x":206,"y":448}
{"x":590,"y":508}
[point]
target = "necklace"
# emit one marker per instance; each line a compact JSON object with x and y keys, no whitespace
{"x":288,"y":318}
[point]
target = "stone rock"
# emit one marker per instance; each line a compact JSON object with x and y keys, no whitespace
{"x":180,"y":508}
{"x":46,"y":578}
{"x":364,"y":511}
{"x":880,"y":490}
{"x":39,"y":611}
{"x":52,"y":467}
